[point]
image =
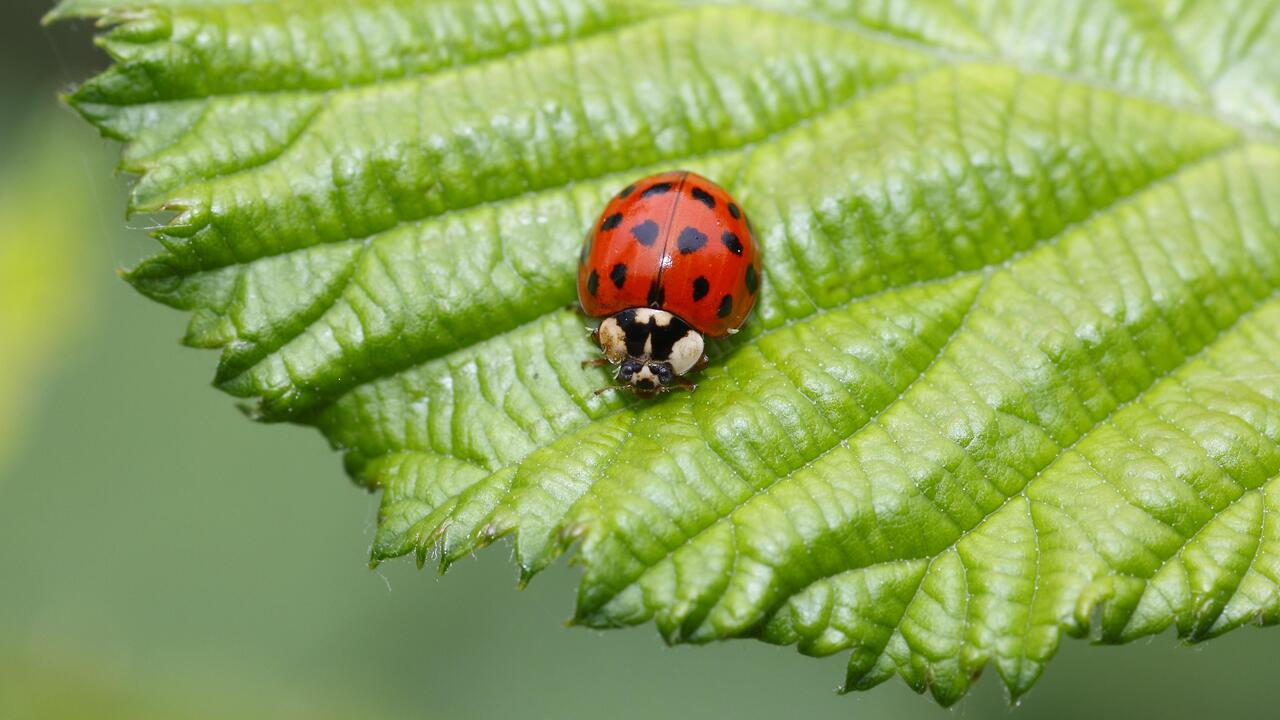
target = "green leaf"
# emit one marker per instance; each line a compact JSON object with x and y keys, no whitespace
{"x":1013,"y":373}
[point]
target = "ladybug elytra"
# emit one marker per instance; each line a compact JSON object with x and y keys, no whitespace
{"x":671,"y":261}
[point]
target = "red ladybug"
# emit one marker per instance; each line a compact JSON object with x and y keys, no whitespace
{"x":671,"y":260}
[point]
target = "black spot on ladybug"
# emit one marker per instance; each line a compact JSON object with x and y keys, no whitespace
{"x":657,"y":295}
{"x":593,"y":283}
{"x":732,"y":242}
{"x":660,"y":339}
{"x":700,"y":288}
{"x":611,"y":222}
{"x":726,"y":306}
{"x":752,"y":280}
{"x":734,"y":211}
{"x":626,"y":191}
{"x":703,"y":197}
{"x":618,"y":275}
{"x":690,"y":240}
{"x":657,"y":189}
{"x":645,"y":233}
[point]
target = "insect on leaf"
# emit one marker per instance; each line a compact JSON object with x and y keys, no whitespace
{"x":1013,"y":373}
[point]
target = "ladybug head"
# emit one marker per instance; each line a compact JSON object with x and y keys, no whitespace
{"x":652,"y":348}
{"x":645,"y":377}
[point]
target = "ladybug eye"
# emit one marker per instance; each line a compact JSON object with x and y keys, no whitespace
{"x":629,"y":368}
{"x":663,"y":372}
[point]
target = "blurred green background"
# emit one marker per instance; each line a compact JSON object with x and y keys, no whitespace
{"x":163,"y":556}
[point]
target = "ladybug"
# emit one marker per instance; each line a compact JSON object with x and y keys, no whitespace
{"x":670,"y":262}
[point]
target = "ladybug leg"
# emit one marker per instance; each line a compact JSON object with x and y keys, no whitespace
{"x":681,"y":384}
{"x":607,"y":388}
{"x":701,"y":364}
{"x":595,"y":362}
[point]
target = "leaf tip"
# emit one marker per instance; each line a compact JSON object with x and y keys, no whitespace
{"x":437,"y":543}
{"x":250,"y":410}
{"x":154,"y":277}
{"x":525,"y":577}
{"x":61,"y":11}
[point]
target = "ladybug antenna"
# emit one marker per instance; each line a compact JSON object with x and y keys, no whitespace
{"x":607,"y":388}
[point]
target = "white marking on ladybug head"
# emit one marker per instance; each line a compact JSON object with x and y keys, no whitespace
{"x":686,"y":352}
{"x":646,"y":378}
{"x":613,"y":340}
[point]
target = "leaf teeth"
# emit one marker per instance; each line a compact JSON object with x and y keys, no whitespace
{"x":154,"y":278}
{"x":59,"y":12}
{"x":131,"y":29}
